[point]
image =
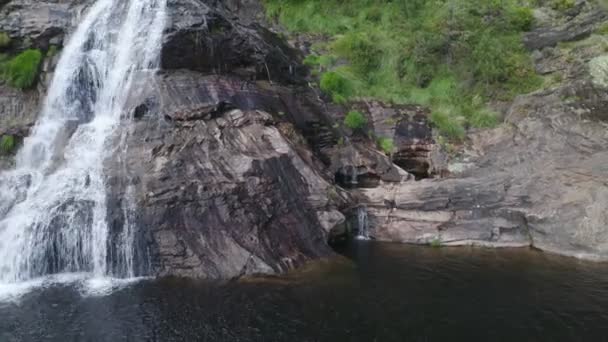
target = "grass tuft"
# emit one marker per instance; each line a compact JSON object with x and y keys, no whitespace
{"x":22,"y":70}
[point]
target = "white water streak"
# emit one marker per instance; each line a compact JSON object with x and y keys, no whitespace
{"x":362,"y":224}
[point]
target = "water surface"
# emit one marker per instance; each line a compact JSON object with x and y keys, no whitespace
{"x":388,"y":292}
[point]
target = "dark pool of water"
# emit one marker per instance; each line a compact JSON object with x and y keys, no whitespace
{"x":388,"y":293}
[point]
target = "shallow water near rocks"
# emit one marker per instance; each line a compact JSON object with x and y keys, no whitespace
{"x":388,"y":292}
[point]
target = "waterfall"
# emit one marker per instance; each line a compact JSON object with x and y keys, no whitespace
{"x":362,"y":224}
{"x":53,"y":204}
{"x":354,"y":175}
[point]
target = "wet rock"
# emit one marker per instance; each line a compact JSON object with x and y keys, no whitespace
{"x":204,"y":36}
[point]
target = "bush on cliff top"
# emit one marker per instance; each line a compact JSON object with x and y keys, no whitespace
{"x":452,"y":56}
{"x":22,"y":70}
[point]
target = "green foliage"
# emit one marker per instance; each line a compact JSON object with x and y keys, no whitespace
{"x":22,"y":70}
{"x":355,"y":120}
{"x":5,"y":40}
{"x":7,"y":144}
{"x":386,"y":145}
{"x":361,"y":50}
{"x":337,"y":86}
{"x":450,"y":55}
{"x":562,"y":5}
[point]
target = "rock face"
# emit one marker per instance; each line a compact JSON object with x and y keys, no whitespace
{"x":222,"y":190}
{"x":225,"y":182}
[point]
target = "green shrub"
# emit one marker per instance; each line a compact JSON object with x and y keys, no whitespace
{"x":337,"y":86}
{"x":7,"y":144}
{"x":21,"y":71}
{"x":355,"y":120}
{"x":386,"y":145}
{"x":5,"y":40}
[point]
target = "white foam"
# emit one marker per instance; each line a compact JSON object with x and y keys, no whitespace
{"x":87,"y":284}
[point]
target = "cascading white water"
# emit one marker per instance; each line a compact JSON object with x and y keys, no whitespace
{"x":362,"y":224}
{"x":53,"y":210}
{"x":354,"y":175}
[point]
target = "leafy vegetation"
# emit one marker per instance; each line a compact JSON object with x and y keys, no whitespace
{"x":451,"y":55}
{"x":337,"y":86}
{"x":22,"y":70}
{"x":7,"y":144}
{"x":355,"y":120}
{"x":386,"y":145}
